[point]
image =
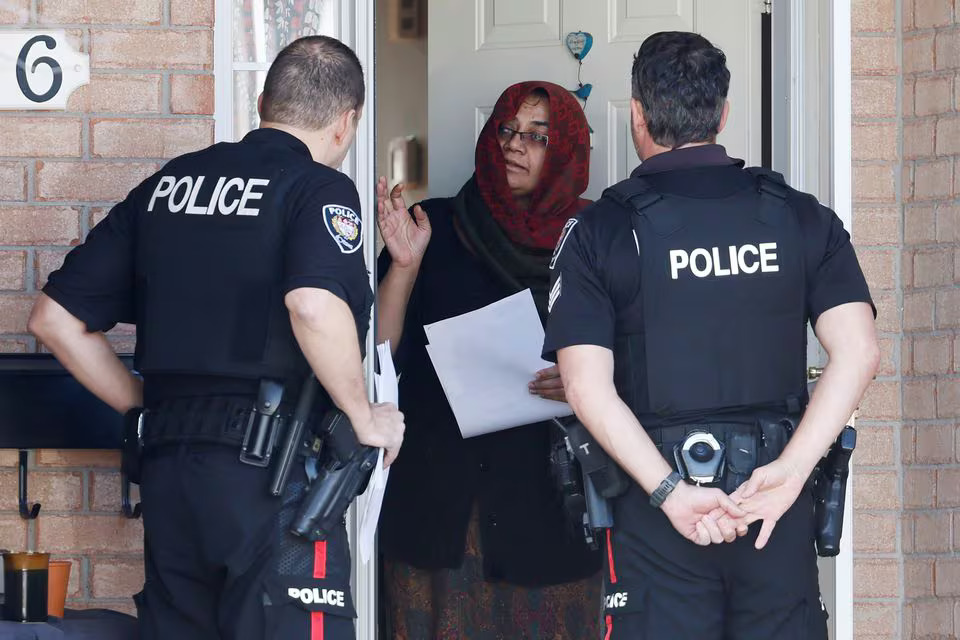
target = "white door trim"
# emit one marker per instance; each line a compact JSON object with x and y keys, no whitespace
{"x":843,"y":205}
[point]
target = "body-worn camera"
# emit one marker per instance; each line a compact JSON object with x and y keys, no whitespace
{"x":700,"y":458}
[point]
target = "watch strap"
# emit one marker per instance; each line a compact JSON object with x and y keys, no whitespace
{"x":665,"y":489}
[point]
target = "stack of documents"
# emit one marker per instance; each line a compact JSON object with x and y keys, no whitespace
{"x":485,"y":359}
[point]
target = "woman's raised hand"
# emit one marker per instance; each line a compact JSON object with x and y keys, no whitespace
{"x":405,"y":237}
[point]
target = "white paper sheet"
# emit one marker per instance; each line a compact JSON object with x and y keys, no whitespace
{"x":386,"y":390}
{"x":485,"y":359}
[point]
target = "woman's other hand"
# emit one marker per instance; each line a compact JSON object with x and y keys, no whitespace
{"x":406,"y":238}
{"x":547,"y":384}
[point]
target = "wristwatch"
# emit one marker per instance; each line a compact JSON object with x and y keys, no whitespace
{"x":665,"y":489}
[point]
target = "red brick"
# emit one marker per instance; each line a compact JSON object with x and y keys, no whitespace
{"x":123,"y":606}
{"x":105,"y":491}
{"x":122,"y":344}
{"x":876,"y":490}
{"x":909,"y":97}
{"x":116,"y":578}
{"x":907,"y":23}
{"x":12,"y":264}
{"x":872,"y":15}
{"x":948,"y":217}
{"x":874,"y":97}
{"x":876,"y":532}
{"x":98,"y":12}
{"x":875,"y":446}
{"x":881,"y":401}
{"x":874,"y":183}
{"x":875,"y":620}
{"x":933,"y":95}
{"x":948,"y":577}
{"x":933,"y":179}
{"x":46,"y":261}
{"x":876,"y":225}
{"x":89,"y":181}
{"x":908,"y":526}
{"x":919,"y":224}
{"x":118,"y":93}
{"x":35,"y":136}
{"x":932,"y":354}
{"x":89,"y":533}
{"x":948,"y":397}
{"x":906,"y":358}
{"x":919,"y":400}
{"x":918,"y":53}
{"x":933,"y":267}
{"x":132,"y":49}
{"x":875,"y":141}
{"x":879,"y":267}
{"x":13,"y":181}
{"x":935,"y":442}
{"x":948,"y":49}
{"x":948,"y":136}
{"x":96,"y":215}
{"x":191,"y":12}
{"x":191,"y":94}
{"x":906,"y":268}
{"x":15,"y":346}
{"x":956,"y":531}
{"x":874,"y":55}
{"x":30,"y":225}
{"x":948,"y":309}
{"x":933,"y":13}
{"x":73,"y":458}
{"x":55,"y":490}
{"x":13,"y":532}
{"x":875,"y":578}
{"x":933,"y":618}
{"x":919,"y":488}
{"x":948,"y":487}
{"x":917,"y":577}
{"x":15,"y":12}
{"x":888,"y":359}
{"x":932,"y":532}
{"x":14,"y":311}
{"x":888,"y":312}
{"x":149,"y":138}
{"x":918,"y":138}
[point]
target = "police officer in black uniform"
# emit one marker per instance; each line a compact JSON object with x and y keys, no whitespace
{"x":241,"y":266}
{"x":678,"y":317}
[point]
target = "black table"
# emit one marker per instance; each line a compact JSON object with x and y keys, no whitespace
{"x":89,"y":624}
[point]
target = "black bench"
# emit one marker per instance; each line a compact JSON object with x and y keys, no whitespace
{"x":42,"y":406}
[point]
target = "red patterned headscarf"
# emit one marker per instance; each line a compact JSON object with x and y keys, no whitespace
{"x":565,"y":174}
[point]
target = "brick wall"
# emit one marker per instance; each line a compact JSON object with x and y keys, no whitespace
{"x":150,"y":98}
{"x":878,"y":239}
{"x":930,"y":538}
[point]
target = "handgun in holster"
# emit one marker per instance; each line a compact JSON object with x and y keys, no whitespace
{"x":344,"y":468}
{"x":132,"y":447}
{"x":829,"y":491}
{"x":600,"y":478}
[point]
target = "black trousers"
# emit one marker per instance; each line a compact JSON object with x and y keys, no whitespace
{"x":658,"y":585}
{"x":220,"y":561}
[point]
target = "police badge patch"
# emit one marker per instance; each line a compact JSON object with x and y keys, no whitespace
{"x":567,"y":228}
{"x":344,"y":226}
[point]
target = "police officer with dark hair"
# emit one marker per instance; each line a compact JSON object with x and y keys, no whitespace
{"x":241,"y":266}
{"x":679,"y":309}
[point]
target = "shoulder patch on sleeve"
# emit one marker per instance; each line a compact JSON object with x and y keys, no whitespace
{"x":344,"y":226}
{"x":567,"y":228}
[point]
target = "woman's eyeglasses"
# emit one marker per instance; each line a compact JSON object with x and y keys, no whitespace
{"x":506,"y":134}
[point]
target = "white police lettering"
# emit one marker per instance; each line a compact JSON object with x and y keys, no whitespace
{"x":332,"y":597}
{"x":229,"y":195}
{"x":617,"y":600}
{"x":709,"y":262}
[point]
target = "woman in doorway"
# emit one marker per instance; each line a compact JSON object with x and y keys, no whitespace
{"x":473,"y":535}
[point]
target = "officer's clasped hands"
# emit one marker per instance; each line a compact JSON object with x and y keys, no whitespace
{"x":384,"y":429}
{"x":698,"y":513}
{"x":766,"y":496}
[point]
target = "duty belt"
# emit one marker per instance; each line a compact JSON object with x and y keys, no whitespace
{"x":208,"y":420}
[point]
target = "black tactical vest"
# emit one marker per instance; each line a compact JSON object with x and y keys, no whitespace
{"x":209,"y":268}
{"x":724,"y":303}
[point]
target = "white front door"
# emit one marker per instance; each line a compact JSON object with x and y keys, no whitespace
{"x":479,"y":47}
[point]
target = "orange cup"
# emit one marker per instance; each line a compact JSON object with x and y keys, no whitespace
{"x":59,"y":578}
